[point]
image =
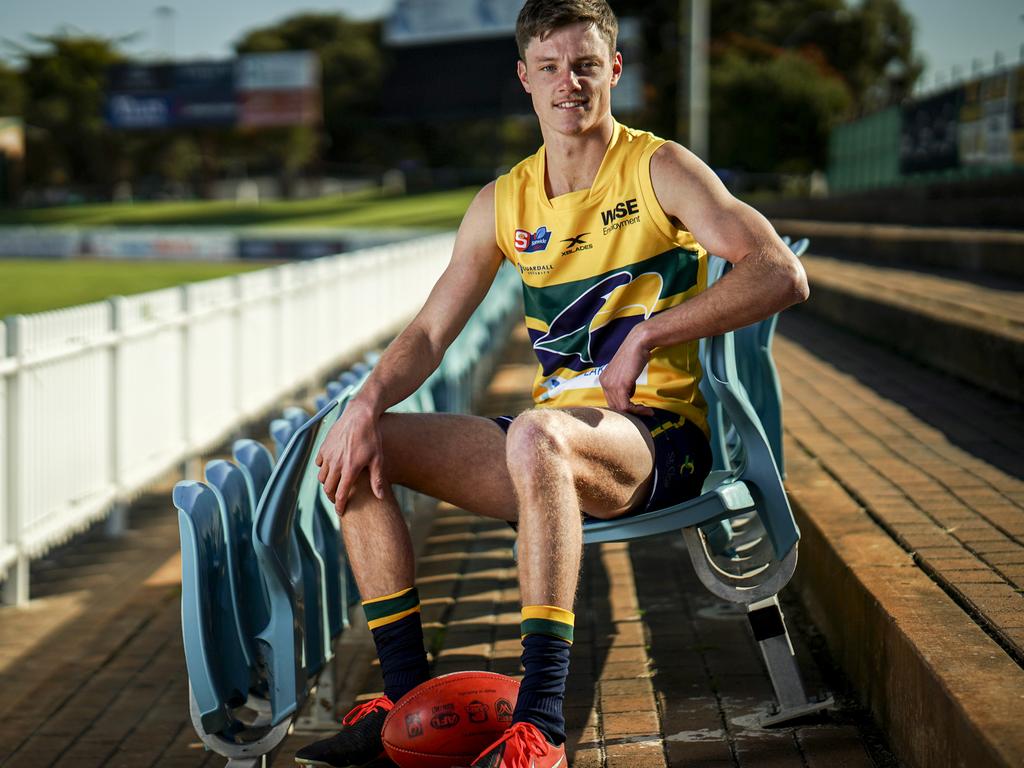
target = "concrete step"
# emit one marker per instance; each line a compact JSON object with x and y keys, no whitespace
{"x":993,"y":202}
{"x":907,"y":488}
{"x":981,"y":252}
{"x":969,"y":330}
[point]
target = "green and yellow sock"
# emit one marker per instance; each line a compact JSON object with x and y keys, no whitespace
{"x":397,"y":631}
{"x":547,"y":637}
{"x":547,"y":620}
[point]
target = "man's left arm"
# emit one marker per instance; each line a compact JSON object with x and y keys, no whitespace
{"x":766,"y":277}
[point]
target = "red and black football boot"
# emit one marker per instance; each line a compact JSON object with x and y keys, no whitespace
{"x":522,"y":746}
{"x":356,"y":744}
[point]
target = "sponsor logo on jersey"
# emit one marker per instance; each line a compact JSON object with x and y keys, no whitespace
{"x":576,"y":243}
{"x":531,"y":242}
{"x":535,"y":269}
{"x":621,"y":215}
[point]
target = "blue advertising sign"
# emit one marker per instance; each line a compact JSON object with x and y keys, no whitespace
{"x":254,"y":90}
{"x":204,"y":93}
{"x":136,"y":110}
{"x":139,"y":78}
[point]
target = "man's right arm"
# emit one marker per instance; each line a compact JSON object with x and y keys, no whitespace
{"x":353,"y":444}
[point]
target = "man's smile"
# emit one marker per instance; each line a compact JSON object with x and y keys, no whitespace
{"x":573,"y":103}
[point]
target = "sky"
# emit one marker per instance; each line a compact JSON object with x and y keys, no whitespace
{"x":950,"y":33}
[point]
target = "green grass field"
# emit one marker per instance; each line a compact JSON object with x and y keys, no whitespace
{"x":34,"y":286}
{"x":442,"y":210}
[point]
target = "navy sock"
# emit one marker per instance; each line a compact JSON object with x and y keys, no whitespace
{"x":397,"y":631}
{"x":547,"y":638}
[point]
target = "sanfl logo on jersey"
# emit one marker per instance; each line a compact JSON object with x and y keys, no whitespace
{"x":531,"y":242}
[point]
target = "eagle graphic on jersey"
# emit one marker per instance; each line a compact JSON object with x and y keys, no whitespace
{"x":587,"y":333}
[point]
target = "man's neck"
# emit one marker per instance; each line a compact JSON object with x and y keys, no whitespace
{"x":572,"y":162}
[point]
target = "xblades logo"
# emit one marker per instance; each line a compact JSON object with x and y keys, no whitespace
{"x":576,"y":243}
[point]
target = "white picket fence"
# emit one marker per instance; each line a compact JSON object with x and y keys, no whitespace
{"x":97,"y":401}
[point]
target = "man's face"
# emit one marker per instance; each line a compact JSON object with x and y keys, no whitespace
{"x":569,"y":75}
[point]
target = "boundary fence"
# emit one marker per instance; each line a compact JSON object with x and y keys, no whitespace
{"x":99,"y":400}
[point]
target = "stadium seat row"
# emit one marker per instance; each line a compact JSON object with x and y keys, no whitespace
{"x":265,"y":585}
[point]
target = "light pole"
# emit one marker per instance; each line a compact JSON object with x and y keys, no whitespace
{"x":692,"y":88}
{"x":165,"y":30}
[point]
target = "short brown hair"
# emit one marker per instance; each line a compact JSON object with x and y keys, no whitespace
{"x":539,"y":18}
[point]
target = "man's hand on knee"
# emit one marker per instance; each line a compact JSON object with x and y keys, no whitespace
{"x":352,"y":445}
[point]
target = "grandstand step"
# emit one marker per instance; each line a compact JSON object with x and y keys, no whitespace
{"x":984,"y":252}
{"x":973,"y":331}
{"x":995,"y":202}
{"x":908,"y":490}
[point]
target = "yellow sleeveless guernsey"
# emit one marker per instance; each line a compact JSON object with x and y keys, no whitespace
{"x":594,"y":264}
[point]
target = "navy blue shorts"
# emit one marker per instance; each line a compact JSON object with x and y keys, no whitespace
{"x":682,"y":459}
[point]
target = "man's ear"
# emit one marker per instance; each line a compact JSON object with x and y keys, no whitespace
{"x":616,"y":68}
{"x":521,"y":71}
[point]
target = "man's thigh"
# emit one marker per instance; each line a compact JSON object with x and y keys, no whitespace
{"x":456,"y":458}
{"x":611,"y":454}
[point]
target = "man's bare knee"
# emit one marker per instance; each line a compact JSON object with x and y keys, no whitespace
{"x":534,"y":441}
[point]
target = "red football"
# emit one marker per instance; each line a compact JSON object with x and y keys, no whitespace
{"x":449,"y":720}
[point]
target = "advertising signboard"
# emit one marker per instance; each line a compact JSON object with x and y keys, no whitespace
{"x":290,"y":70}
{"x":269,"y":109}
{"x":971,"y":129}
{"x":415,"y":22}
{"x":254,"y":90}
{"x":137,"y":110}
{"x":139,"y":78}
{"x":1017,"y":102}
{"x":929,"y":137}
{"x":204,"y":93}
{"x":997,"y":117}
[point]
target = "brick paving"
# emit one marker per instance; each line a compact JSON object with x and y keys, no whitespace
{"x":936,"y":463}
{"x":663,"y":674}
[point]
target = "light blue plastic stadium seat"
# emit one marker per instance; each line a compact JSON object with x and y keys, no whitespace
{"x":277,"y":548}
{"x":281,"y":431}
{"x":746,"y":487}
{"x":348,"y":378}
{"x":296,"y":415}
{"x":218,"y":671}
{"x":256,"y":464}
{"x":220,"y":677}
{"x":294,"y":568}
{"x":248,"y":599}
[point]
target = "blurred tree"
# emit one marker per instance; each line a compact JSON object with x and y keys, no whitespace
{"x":178,"y":158}
{"x":68,"y":139}
{"x":799,"y":66}
{"x":12,"y":92}
{"x":869,"y":45}
{"x":774,"y":114}
{"x":352,"y":67}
